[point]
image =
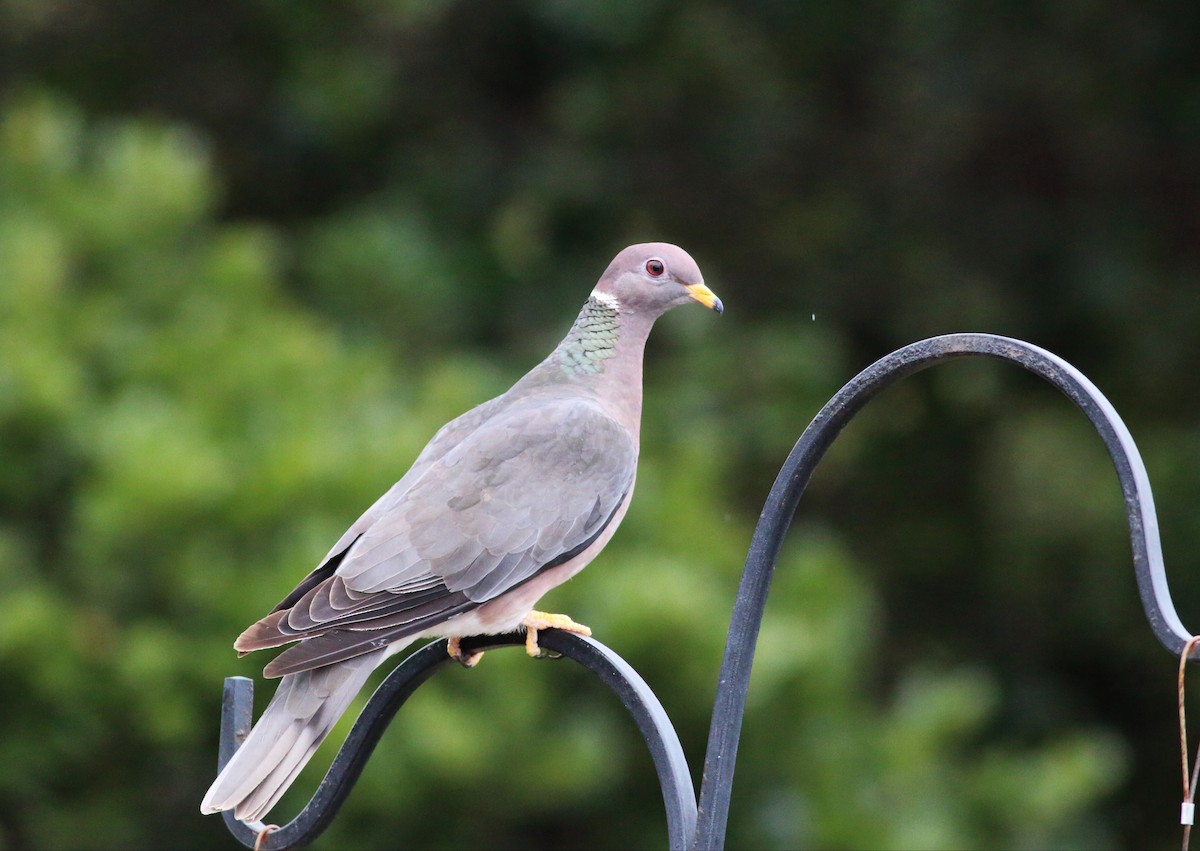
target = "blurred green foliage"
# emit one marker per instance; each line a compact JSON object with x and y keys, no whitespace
{"x":253,"y":254}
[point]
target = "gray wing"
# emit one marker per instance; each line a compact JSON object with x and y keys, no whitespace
{"x":525,"y":491}
{"x":446,"y":438}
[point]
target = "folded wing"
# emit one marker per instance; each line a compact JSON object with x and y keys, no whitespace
{"x":527,"y":490}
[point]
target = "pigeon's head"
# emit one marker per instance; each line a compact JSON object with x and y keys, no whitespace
{"x":653,"y":277}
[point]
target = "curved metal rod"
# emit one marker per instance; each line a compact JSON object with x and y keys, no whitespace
{"x":674,"y":777}
{"x":705,"y":828}
{"x":780,"y":507}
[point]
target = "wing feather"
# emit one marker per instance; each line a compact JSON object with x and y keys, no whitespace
{"x":518,"y":494}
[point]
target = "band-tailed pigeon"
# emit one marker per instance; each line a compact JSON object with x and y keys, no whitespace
{"x":507,"y":501}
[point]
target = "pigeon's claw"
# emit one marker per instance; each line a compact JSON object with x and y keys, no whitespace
{"x":536,"y":620}
{"x":263,"y":833}
{"x":454,"y":648}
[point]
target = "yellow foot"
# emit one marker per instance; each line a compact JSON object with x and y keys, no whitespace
{"x":455,"y":650}
{"x":536,"y":620}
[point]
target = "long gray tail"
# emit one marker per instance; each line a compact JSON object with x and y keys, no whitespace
{"x":298,"y":718}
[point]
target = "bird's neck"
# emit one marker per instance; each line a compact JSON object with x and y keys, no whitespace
{"x":602,"y":356}
{"x":592,"y":341}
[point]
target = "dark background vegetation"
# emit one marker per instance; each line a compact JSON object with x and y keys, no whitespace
{"x":252,"y":254}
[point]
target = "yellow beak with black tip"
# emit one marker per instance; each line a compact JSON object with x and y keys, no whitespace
{"x":706,"y":297}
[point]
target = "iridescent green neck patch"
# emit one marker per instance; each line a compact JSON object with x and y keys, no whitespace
{"x":592,"y":339}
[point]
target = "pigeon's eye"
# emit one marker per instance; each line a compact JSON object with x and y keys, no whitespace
{"x":655,"y":268}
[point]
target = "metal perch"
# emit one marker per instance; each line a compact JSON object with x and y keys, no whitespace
{"x":702,"y":826}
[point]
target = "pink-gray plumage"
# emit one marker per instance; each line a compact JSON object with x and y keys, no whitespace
{"x":507,"y":501}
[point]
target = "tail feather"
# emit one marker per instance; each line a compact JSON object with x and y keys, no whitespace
{"x":298,"y":718}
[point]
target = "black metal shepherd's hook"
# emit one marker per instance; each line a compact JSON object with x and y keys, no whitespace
{"x":702,"y":827}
